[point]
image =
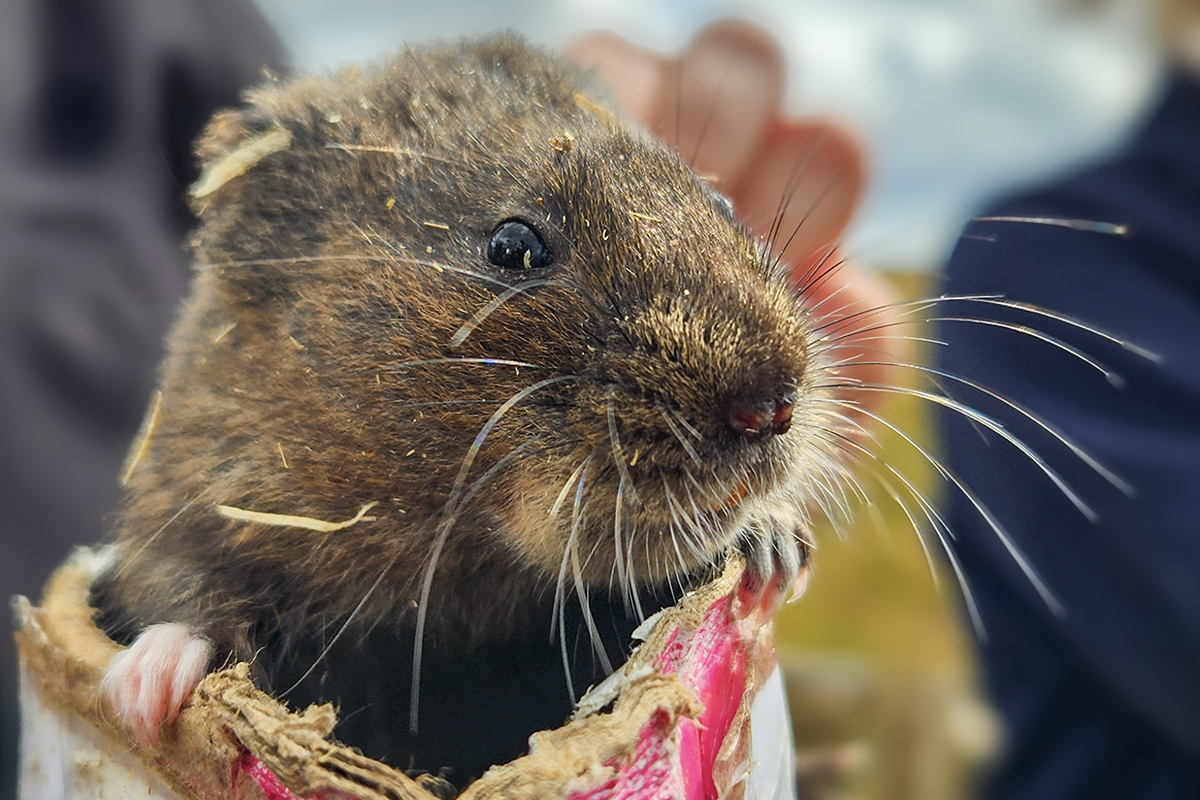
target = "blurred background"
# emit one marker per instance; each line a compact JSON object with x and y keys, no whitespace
{"x":955,"y":103}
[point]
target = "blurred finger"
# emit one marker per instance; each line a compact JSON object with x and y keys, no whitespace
{"x":719,"y":101}
{"x":801,"y":189}
{"x":634,"y":76}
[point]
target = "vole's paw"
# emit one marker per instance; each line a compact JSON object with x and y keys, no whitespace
{"x":147,"y":683}
{"x":776,"y":551}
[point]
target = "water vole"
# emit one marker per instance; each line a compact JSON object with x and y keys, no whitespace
{"x":455,"y":289}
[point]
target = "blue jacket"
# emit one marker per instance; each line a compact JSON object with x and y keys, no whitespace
{"x":1103,"y":700}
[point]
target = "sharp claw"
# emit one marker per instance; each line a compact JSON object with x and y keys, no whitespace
{"x":776,"y":558}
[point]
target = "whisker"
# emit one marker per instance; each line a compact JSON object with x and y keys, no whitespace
{"x":399,"y":258}
{"x":687,"y":446}
{"x":1088,"y":226}
{"x":1079,"y":452}
{"x":345,"y":627}
{"x":137,"y":553}
{"x":686,"y":425}
{"x":848,"y":445}
{"x":633,"y":589}
{"x":985,"y":513}
{"x":450,"y":514}
{"x":560,"y":615}
{"x":475,"y":321}
{"x":676,"y":525}
{"x":1000,"y":301}
{"x":678,"y":106}
{"x":804,"y":160}
{"x":834,"y":323}
{"x":623,"y":577}
{"x":813,"y":206}
{"x":1065,"y":319}
{"x":500,"y":464}
{"x":618,"y":455}
{"x":937,"y":524}
{"x":566,"y":489}
{"x":991,"y":424}
{"x":694,"y":543}
{"x":577,"y":572}
{"x":268,"y":262}
{"x":846,"y":287}
{"x":1110,"y":376}
{"x":1113,"y":378}
{"x":887,"y":337}
{"x":504,"y":362}
{"x":623,"y":561}
{"x":708,"y":116}
{"x":816,"y":274}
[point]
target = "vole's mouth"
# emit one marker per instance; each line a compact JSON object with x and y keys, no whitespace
{"x":733,"y":499}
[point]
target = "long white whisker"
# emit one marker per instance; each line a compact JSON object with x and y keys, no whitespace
{"x":566,"y":489}
{"x":345,"y":626}
{"x":940,"y":529}
{"x":1015,"y":552}
{"x":676,"y":525}
{"x":892,"y":337}
{"x":1079,"y":452}
{"x":1086,"y":225}
{"x":624,"y":579}
{"x":832,"y":322}
{"x":577,"y":572}
{"x":560,"y":614}
{"x":910,"y":307}
{"x":492,"y":361}
{"x":687,"y":446}
{"x":682,"y":420}
{"x":1029,"y":308}
{"x":500,"y":464}
{"x":991,"y":424}
{"x":618,"y":455}
{"x":450,"y":514}
{"x":1110,"y":376}
{"x":482,"y":314}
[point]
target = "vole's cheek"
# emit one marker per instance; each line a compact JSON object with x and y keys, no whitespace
{"x":536,"y":523}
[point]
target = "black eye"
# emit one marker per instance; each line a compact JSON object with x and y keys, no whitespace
{"x":515,"y":245}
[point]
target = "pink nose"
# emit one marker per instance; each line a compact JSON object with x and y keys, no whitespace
{"x":755,"y":418}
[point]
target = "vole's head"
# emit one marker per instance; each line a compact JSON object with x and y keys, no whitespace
{"x":498,"y":304}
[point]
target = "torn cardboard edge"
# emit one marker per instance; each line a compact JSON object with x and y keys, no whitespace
{"x":63,"y":656}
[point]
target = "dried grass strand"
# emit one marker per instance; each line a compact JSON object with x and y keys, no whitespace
{"x":294,"y":521}
{"x":145,"y":436}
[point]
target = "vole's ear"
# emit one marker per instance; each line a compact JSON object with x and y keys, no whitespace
{"x":235,"y":143}
{"x":232,"y":143}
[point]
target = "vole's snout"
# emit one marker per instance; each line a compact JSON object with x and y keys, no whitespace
{"x":756,"y":418}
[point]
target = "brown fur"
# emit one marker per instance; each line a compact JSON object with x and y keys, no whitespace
{"x":322,"y":258}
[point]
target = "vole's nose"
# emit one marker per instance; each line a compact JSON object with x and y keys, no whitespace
{"x":755,"y":418}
